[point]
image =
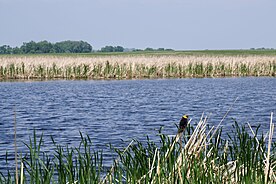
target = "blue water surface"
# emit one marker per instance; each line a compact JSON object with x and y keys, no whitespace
{"x":115,"y":110}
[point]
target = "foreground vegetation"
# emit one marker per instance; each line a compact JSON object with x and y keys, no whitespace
{"x":139,"y":65}
{"x":206,"y":157}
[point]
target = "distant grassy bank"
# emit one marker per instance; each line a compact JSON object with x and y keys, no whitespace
{"x":131,"y":65}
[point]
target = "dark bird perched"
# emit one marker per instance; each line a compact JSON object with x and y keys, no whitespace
{"x":183,"y":123}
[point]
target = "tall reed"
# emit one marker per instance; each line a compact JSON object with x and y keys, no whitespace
{"x":207,"y":157}
{"x":134,"y":66}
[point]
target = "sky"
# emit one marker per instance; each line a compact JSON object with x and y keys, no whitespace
{"x":176,"y":24}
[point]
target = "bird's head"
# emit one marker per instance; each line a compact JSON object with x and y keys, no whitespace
{"x":185,"y":116}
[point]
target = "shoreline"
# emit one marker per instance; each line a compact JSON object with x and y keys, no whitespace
{"x":133,"y":79}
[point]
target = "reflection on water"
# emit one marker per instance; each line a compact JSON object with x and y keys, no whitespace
{"x":109,"y":111}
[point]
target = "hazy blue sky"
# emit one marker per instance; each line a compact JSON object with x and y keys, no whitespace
{"x":178,"y":24}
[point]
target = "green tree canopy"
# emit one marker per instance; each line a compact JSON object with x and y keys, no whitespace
{"x":72,"y":47}
{"x":47,"y":47}
{"x":149,"y":49}
{"x":112,"y":49}
{"x":5,"y":49}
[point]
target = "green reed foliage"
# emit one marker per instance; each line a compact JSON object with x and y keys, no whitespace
{"x":65,"y":165}
{"x":238,"y":158}
{"x":147,"y":162}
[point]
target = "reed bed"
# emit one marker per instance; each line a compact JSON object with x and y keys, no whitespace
{"x":134,"y":66}
{"x":206,"y":157}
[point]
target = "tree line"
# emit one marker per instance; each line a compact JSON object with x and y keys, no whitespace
{"x":47,"y":47}
{"x":43,"y":47}
{"x":121,"y":49}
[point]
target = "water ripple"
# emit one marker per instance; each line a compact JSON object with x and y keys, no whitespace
{"x":111,"y":111}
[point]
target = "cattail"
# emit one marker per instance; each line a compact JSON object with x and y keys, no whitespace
{"x":135,"y":66}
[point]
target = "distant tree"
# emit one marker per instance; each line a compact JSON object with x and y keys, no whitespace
{"x":149,"y":49}
{"x":169,"y":50}
{"x":29,"y":47}
{"x":44,"y":47}
{"x":72,"y":47}
{"x":16,"y":50}
{"x":262,"y":48}
{"x":47,"y":47}
{"x":58,"y":48}
{"x":107,"y":49}
{"x":112,"y":49}
{"x":137,"y":50}
{"x":119,"y":49}
{"x":81,"y":47}
{"x":160,"y":49}
{"x":5,"y":49}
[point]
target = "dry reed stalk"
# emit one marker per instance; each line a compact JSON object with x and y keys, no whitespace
{"x":21,"y":173}
{"x":15,"y":149}
{"x":268,"y":170}
{"x":191,"y":147}
{"x":268,"y":167}
{"x":153,"y":161}
{"x":266,"y":163}
{"x":196,"y":145}
{"x":140,"y":66}
{"x":230,"y":108}
{"x":151,"y":168}
{"x":230,"y":167}
{"x":109,"y":175}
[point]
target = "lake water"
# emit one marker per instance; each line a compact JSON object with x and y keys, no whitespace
{"x":115,"y":110}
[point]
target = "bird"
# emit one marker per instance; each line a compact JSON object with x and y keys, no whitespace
{"x":183,"y":123}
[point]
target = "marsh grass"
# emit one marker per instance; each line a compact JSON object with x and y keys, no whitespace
{"x":206,"y":157}
{"x":134,"y":66}
{"x":65,"y":165}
